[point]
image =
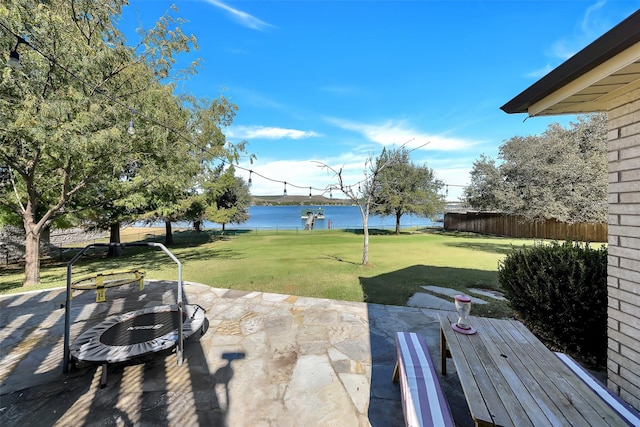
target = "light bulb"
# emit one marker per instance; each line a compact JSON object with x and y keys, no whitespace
{"x":14,"y":60}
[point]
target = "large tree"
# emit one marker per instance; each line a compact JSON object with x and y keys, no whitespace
{"x":406,"y":188}
{"x":64,"y":113}
{"x":228,"y":197}
{"x":486,"y":189}
{"x":560,"y":174}
{"x":170,"y":195}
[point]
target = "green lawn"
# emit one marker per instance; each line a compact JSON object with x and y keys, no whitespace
{"x":323,"y":263}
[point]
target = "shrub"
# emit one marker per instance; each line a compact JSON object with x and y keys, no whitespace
{"x":560,"y":293}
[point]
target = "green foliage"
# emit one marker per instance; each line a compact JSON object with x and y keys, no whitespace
{"x":64,"y":113}
{"x":560,"y":174}
{"x":64,"y":147}
{"x":229,"y":197}
{"x":560,"y":292}
{"x":403,"y":187}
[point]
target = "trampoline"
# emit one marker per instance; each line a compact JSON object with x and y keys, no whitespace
{"x":136,"y":334}
{"x":133,"y":334}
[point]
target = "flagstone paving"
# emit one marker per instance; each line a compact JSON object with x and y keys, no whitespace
{"x":264,"y":360}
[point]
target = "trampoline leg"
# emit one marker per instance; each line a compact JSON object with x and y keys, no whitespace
{"x":103,"y":376}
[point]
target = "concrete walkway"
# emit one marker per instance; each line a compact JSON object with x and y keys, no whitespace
{"x":265,"y":360}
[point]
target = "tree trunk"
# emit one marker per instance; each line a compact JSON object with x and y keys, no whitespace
{"x":168,"y":236}
{"x":45,"y":241}
{"x":398,"y":216}
{"x":222,"y":232}
{"x":114,"y":237}
{"x":197,"y":226}
{"x":365,"y":248}
{"x":32,"y":252}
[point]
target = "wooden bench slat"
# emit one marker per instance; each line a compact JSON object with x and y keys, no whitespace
{"x":630,"y":415}
{"x":424,"y":403}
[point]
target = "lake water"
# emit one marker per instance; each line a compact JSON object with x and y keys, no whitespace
{"x":289,"y":218}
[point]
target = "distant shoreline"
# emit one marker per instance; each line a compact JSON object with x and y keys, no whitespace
{"x":298,"y":201}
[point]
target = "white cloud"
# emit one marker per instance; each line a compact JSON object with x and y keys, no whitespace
{"x":591,"y":24}
{"x":241,"y":17}
{"x":269,"y":175}
{"x":266,"y":132}
{"x":595,"y":22}
{"x":564,"y":49}
{"x":398,"y":133}
{"x":455,"y":178}
{"x":541,"y":72}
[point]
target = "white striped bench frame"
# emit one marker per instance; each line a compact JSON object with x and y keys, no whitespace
{"x":626,"y":412}
{"x":423,"y":401}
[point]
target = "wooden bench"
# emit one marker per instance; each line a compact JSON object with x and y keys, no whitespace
{"x":625,"y":411}
{"x":423,"y":402}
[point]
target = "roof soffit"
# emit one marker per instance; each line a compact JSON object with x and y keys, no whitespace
{"x":593,"y":90}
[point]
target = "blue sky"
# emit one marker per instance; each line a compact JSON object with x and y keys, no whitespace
{"x":333,"y":82}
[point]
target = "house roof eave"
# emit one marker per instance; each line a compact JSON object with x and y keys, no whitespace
{"x":612,"y":43}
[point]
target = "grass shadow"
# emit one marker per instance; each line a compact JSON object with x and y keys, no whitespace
{"x":372,"y":231}
{"x":396,"y":287}
{"x":188,"y":246}
{"x":340,"y":259}
{"x":495,"y":248}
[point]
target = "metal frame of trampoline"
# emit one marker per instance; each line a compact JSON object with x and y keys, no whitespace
{"x":67,"y":318}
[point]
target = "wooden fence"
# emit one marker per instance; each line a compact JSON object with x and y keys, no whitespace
{"x":515,"y":226}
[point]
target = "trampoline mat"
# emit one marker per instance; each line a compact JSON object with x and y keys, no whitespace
{"x":136,"y":333}
{"x":144,"y":327}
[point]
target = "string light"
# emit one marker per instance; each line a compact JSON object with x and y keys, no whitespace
{"x":14,"y":56}
{"x":14,"y":62}
{"x":131,"y":129}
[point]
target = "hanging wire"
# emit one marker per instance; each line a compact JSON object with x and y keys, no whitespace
{"x":145,"y":117}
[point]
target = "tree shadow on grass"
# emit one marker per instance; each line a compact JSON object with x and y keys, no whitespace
{"x":340,"y":259}
{"x":498,"y":245}
{"x":190,"y":246}
{"x":372,"y":231}
{"x":503,"y":248}
{"x":396,"y":287}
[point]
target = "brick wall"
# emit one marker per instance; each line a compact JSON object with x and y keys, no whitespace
{"x":624,"y":248}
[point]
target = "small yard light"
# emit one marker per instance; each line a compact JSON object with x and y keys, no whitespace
{"x":14,"y":56}
{"x":131,"y":130}
{"x":463,"y":306}
{"x":14,"y":60}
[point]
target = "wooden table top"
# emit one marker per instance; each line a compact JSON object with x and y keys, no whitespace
{"x":510,"y":378}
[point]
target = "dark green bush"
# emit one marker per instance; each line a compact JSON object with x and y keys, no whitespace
{"x":560,"y":293}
